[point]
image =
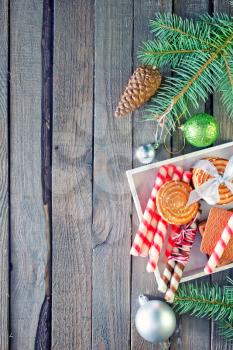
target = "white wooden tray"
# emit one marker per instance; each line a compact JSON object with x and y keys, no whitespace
{"x":141,"y":181}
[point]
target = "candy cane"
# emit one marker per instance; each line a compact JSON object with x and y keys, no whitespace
{"x":168,"y":271}
{"x":149,"y":220}
{"x":220,"y":247}
{"x":181,"y":259}
{"x":161,"y":231}
{"x":170,"y":243}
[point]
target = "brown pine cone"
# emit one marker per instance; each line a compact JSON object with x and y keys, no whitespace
{"x":142,"y":85}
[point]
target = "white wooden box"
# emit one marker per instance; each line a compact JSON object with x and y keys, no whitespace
{"x":141,"y":181}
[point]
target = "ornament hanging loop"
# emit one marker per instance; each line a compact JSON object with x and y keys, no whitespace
{"x":142,"y":299}
{"x":175,"y":151}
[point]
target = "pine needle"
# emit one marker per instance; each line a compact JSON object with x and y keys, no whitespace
{"x":210,"y":301}
{"x":200,"y":56}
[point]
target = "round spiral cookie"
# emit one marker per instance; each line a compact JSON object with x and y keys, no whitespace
{"x":172,"y":198}
{"x":200,"y":176}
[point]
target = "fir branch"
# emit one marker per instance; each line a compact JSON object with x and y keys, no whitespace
{"x":193,"y":81}
{"x":226,"y":330}
{"x":225,"y":85}
{"x":218,"y":19}
{"x":229,"y":74}
{"x":171,"y":27}
{"x":204,"y":301}
{"x":211,"y":301}
{"x":221,"y":24}
{"x":158,"y":53}
{"x":198,"y":67}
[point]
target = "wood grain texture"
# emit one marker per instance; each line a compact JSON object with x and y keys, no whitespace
{"x":28,"y":239}
{"x":4,"y":217}
{"x":143,"y":282}
{"x":43,"y":335}
{"x":47,"y":101}
{"x":72,"y":174}
{"x":193,"y":333}
{"x":111,"y":196}
{"x":226,"y":126}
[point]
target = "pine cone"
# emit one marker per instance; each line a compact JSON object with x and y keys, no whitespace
{"x":142,"y":85}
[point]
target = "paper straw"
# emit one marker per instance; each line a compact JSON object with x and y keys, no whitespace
{"x":150,"y":219}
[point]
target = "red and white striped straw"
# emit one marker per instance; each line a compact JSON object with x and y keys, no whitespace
{"x":220,"y":247}
{"x":147,"y":224}
{"x":150,"y":234}
{"x":168,"y":271}
{"x":157,"y":245}
{"x":187,"y":176}
{"x":161,"y":231}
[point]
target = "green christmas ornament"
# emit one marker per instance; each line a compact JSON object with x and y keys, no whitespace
{"x":201,"y":130}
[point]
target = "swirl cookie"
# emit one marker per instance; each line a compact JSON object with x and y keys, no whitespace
{"x":171,"y":201}
{"x":200,"y":176}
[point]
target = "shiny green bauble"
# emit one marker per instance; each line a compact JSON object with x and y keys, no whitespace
{"x":201,"y":130}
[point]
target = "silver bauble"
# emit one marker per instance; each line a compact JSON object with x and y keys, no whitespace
{"x":155,"y":320}
{"x":146,"y":153}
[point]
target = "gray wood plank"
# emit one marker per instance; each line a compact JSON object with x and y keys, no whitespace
{"x":28,"y":237}
{"x":72,"y":175}
{"x":111,"y":195}
{"x":4,"y":217}
{"x":193,"y":333}
{"x":43,"y":335}
{"x":226,"y":125}
{"x":143,"y":132}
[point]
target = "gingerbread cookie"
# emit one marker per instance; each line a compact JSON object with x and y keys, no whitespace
{"x":172,"y":200}
{"x":211,"y":232}
{"x":200,"y":176}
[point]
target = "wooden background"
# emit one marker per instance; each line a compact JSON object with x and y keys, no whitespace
{"x":67,"y":281}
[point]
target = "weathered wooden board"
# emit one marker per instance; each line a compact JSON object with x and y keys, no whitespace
{"x":43,"y":335}
{"x":4,"y":194}
{"x":193,"y":333}
{"x":143,"y":132}
{"x":28,"y":239}
{"x":72,"y":175}
{"x":226,"y":125}
{"x":111,"y":197}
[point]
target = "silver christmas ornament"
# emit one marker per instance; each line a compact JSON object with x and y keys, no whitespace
{"x":155,"y":320}
{"x":146,"y":153}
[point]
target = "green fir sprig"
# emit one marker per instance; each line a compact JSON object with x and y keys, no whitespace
{"x":200,"y":56}
{"x":206,"y":300}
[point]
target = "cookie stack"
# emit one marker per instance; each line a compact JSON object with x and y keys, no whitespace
{"x":200,"y":177}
